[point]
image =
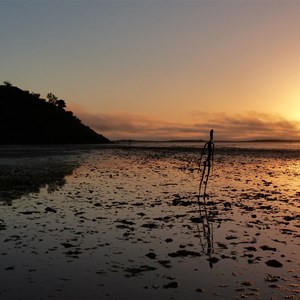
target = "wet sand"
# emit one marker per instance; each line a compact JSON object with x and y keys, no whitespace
{"x":125,"y":224}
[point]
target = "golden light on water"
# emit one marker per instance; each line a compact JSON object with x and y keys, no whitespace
{"x":131,"y":214}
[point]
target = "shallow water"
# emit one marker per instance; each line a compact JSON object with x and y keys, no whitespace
{"x":119,"y":223}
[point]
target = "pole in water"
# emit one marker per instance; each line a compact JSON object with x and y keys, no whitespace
{"x":207,"y":164}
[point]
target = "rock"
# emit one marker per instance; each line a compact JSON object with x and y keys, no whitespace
{"x":171,"y":285}
{"x":151,"y":255}
{"x":250,"y":248}
{"x":2,"y":225}
{"x":165,"y":263}
{"x":288,"y":218}
{"x":222,"y":246}
{"x":150,"y":225}
{"x":126,"y":222}
{"x":231,"y":237}
{"x":274,"y":263}
{"x":227,"y":205}
{"x":137,"y":271}
{"x":267,"y":207}
{"x":67,"y":245}
{"x":246,"y":283}
{"x":267,"y":248}
{"x":274,"y":286}
{"x":50,"y":209}
{"x":73,"y":253}
{"x":184,"y":253}
{"x":271,"y":278}
{"x":179,"y":202}
{"x":121,"y":226}
{"x":29,"y":212}
{"x":197,"y":219}
{"x":168,"y":240}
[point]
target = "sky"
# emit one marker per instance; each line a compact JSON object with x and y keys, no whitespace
{"x":161,"y":69}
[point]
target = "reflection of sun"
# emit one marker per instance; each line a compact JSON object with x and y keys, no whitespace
{"x":294,"y":169}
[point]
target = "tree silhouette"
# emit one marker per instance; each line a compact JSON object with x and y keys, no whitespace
{"x":52,"y":98}
{"x":55,"y":101}
{"x":61,"y":103}
{"x":7,"y":83}
{"x":37,"y":95}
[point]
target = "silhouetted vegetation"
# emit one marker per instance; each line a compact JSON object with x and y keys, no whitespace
{"x":25,"y":118}
{"x":7,"y":83}
{"x":55,"y":101}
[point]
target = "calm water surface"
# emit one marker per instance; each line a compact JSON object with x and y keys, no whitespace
{"x":124,"y":222}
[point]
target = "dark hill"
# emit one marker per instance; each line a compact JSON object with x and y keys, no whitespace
{"x":27,"y":119}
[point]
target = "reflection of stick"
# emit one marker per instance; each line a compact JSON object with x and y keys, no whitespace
{"x":207,"y":232}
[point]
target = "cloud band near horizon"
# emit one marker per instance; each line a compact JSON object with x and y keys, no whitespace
{"x":240,"y":127}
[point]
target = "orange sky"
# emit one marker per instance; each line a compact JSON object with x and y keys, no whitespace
{"x":161,"y":69}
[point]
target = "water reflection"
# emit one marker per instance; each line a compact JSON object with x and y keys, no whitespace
{"x":22,"y":175}
{"x":206,"y":230}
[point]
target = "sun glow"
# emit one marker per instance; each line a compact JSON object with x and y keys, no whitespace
{"x":293,"y":107}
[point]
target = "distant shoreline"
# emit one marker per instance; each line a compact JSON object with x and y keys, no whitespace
{"x":202,"y":141}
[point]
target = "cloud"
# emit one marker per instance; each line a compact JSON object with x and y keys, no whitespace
{"x":256,"y":126}
{"x":251,"y":125}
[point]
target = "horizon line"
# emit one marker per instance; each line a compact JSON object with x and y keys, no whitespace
{"x":202,"y":140}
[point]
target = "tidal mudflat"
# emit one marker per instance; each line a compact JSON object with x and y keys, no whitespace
{"x":125,"y":223}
